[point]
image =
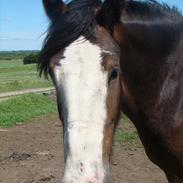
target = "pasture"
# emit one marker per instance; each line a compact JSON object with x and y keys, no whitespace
{"x":14,"y":75}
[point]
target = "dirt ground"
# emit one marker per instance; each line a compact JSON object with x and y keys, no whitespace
{"x":33,"y":153}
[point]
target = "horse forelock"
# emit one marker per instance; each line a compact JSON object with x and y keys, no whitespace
{"x":66,"y":28}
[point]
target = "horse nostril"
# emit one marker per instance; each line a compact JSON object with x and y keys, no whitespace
{"x":93,"y":180}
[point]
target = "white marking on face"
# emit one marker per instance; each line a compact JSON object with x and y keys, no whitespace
{"x":83,"y":84}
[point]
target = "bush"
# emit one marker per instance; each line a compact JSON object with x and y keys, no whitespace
{"x":31,"y":58}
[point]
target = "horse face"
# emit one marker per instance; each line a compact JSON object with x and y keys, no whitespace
{"x":86,"y":73}
{"x":87,"y":79}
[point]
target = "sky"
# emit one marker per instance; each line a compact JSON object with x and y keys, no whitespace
{"x":23,"y":23}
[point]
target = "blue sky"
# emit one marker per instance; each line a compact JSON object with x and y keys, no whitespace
{"x":23,"y":22}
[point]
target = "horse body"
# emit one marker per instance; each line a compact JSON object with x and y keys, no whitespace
{"x":153,"y":80}
{"x":155,"y":103}
{"x":129,"y":59}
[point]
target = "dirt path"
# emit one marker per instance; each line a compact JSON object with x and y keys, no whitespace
{"x":6,"y":95}
{"x":33,"y":153}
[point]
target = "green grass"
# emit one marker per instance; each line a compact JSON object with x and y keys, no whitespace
{"x":127,"y":137}
{"x":23,"y":108}
{"x":127,"y":132}
{"x":14,"y":75}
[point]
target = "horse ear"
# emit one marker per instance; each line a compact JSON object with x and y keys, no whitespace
{"x":54,"y":8}
{"x":110,"y":13}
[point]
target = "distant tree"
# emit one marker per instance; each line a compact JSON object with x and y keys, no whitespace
{"x":31,"y":58}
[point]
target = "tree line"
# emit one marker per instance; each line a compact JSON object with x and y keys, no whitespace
{"x":28,"y":57}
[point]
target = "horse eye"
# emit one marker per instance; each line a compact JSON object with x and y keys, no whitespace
{"x":114,"y":74}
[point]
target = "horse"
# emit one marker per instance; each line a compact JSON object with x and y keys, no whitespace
{"x":113,"y":56}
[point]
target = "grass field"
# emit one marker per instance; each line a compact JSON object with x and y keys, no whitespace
{"x":14,"y":75}
{"x":23,"y":108}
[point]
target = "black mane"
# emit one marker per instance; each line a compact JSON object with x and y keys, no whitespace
{"x":150,"y":10}
{"x":66,"y":28}
{"x":79,"y":18}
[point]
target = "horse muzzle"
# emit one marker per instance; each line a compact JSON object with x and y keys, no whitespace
{"x":86,"y":175}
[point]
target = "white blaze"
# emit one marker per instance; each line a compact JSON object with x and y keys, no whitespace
{"x":83,"y":83}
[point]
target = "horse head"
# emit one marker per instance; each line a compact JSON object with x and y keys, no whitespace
{"x":83,"y":60}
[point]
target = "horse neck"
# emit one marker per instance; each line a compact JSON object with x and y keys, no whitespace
{"x":145,"y":50}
